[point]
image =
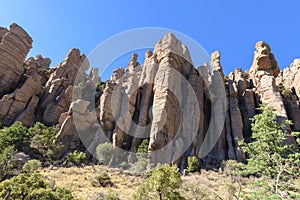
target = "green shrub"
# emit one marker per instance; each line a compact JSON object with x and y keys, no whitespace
{"x":111,"y":195}
{"x":100,"y":86}
{"x":43,"y":141}
{"x":43,"y":70}
{"x":76,"y":157}
{"x":30,"y":187}
{"x":194,"y":191}
{"x":193,"y":164}
{"x":81,"y":85}
{"x":102,"y":180}
{"x":6,"y":155}
{"x":124,"y":165}
{"x":164,"y":183}
{"x":48,"y":193}
{"x":104,"y":153}
{"x":143,"y":159}
{"x":286,"y":93}
{"x":143,"y":147}
{"x":31,"y":166}
{"x":16,"y":135}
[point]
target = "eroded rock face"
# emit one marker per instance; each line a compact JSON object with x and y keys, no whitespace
{"x":59,"y":87}
{"x":14,"y":46}
{"x":264,"y":61}
{"x":289,"y":85}
{"x":20,"y":104}
{"x":40,"y":66}
{"x":78,"y":118}
{"x":264,"y":70}
{"x":145,"y":96}
{"x":178,"y":107}
{"x":117,"y":74}
{"x":134,"y":65}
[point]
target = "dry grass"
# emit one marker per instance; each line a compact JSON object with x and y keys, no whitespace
{"x":78,"y":180}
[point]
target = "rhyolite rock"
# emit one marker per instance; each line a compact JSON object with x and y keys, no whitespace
{"x":20,"y":105}
{"x":58,"y":92}
{"x":182,"y":109}
{"x":14,"y":46}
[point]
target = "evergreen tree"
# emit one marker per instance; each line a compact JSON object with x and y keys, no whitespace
{"x":271,"y":156}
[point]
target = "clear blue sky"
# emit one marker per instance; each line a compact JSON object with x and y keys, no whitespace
{"x":233,"y":27}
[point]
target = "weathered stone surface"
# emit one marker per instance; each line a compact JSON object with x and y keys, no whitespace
{"x":145,"y":92}
{"x":38,"y":65}
{"x":264,"y":61}
{"x":236,"y":127}
{"x":291,"y":103}
{"x":106,"y":114}
{"x":79,"y":106}
{"x":171,"y":45}
{"x":60,"y":105}
{"x":59,"y":87}
{"x":77,"y":119}
{"x":288,"y":84}
{"x":134,"y":65}
{"x":218,"y":112}
{"x":177,"y":107}
{"x":264,"y":70}
{"x":21,"y":102}
{"x":117,"y":74}
{"x":14,"y":46}
{"x":2,"y":32}
{"x":27,"y":117}
{"x":198,"y":85}
{"x":95,"y":76}
{"x":172,"y":101}
{"x":124,"y":101}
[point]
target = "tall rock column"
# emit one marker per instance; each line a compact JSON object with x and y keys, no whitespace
{"x":218,"y":113}
{"x":289,"y":84}
{"x":14,"y":47}
{"x":146,"y":84}
{"x":264,"y":70}
{"x":171,"y":94}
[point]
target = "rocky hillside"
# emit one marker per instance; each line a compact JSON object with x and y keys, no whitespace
{"x":182,"y":109}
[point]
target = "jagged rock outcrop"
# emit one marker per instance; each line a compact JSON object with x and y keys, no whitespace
{"x":14,"y":46}
{"x":134,"y":65}
{"x":59,"y":87}
{"x":40,"y":66}
{"x":170,"y":97}
{"x":78,"y":118}
{"x":182,"y":110}
{"x":106,"y":116}
{"x":124,"y":101}
{"x":20,"y":104}
{"x":288,"y":82}
{"x":264,"y":70}
{"x":145,"y":96}
{"x":117,"y":74}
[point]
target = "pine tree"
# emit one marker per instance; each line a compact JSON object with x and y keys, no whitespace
{"x":270,"y":155}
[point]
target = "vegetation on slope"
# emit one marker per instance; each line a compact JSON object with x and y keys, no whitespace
{"x":270,"y":172}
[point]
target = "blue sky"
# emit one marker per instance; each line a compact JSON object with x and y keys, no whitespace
{"x":233,"y":27}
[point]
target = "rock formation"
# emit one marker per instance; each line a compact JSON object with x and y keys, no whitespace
{"x":14,"y":46}
{"x":180,"y":108}
{"x":20,"y":104}
{"x":264,"y":70}
{"x":57,"y":96}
